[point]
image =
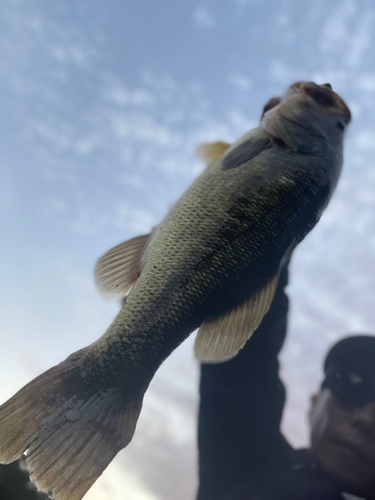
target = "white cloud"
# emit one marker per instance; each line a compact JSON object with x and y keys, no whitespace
{"x":347,"y":32}
{"x":282,"y":73}
{"x":335,"y":31}
{"x":57,"y":205}
{"x":366,"y":82}
{"x":360,"y":42}
{"x":240,"y":81}
{"x":240,"y":122}
{"x":117,"y":484}
{"x":136,"y":220}
{"x":118,"y":94}
{"x":203,"y":17}
{"x":365,"y":140}
{"x":283,"y":20}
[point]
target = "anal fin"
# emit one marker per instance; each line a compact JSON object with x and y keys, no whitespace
{"x":220,"y":339}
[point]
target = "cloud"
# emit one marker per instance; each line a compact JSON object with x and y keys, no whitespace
{"x":117,"y":483}
{"x":282,"y":73}
{"x":240,"y":81}
{"x":364,"y":141}
{"x":366,"y":82}
{"x":336,"y":30}
{"x":348,"y":32}
{"x":203,"y":17}
{"x":138,"y":221}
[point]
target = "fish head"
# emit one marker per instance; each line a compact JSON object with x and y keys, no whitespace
{"x":308,"y":118}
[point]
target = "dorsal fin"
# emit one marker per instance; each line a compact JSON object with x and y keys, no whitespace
{"x":118,"y":269}
{"x":210,"y":152}
{"x":220,"y":339}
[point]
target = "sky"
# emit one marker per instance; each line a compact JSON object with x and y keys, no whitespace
{"x":102,"y":106}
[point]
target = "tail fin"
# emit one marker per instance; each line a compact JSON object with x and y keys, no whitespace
{"x":70,"y":434}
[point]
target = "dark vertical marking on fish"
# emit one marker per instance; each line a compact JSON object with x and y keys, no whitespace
{"x":245,"y":152}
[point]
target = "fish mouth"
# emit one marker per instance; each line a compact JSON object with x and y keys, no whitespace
{"x":323,"y":95}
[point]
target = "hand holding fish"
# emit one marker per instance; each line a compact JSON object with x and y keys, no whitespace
{"x":212,"y":264}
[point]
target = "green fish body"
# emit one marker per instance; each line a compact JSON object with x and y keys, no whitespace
{"x":212,"y":264}
{"x":224,"y":239}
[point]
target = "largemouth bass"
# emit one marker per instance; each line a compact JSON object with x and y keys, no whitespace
{"x":212,"y":264}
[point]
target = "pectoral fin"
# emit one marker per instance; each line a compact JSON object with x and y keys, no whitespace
{"x":245,"y":152}
{"x":212,"y":151}
{"x":118,"y":269}
{"x":220,"y":339}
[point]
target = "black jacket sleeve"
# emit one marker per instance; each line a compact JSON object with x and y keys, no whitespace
{"x":15,"y":483}
{"x":240,"y":444}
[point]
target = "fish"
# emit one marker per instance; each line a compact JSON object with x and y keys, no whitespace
{"x":212,"y":264}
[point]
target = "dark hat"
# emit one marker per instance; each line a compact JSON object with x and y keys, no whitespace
{"x":352,"y":354}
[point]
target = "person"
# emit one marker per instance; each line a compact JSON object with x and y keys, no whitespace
{"x":15,"y":483}
{"x":242,"y":453}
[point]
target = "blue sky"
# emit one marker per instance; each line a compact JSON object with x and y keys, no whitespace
{"x":102,"y":105}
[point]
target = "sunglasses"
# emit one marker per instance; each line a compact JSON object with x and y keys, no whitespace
{"x":351,"y":389}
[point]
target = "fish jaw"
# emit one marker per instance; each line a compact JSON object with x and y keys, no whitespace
{"x":309,"y":119}
{"x":323,"y":96}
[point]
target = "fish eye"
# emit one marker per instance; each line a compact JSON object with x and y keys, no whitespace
{"x":340,"y":126}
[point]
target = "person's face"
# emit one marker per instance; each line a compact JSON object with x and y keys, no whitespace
{"x":343,"y":442}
